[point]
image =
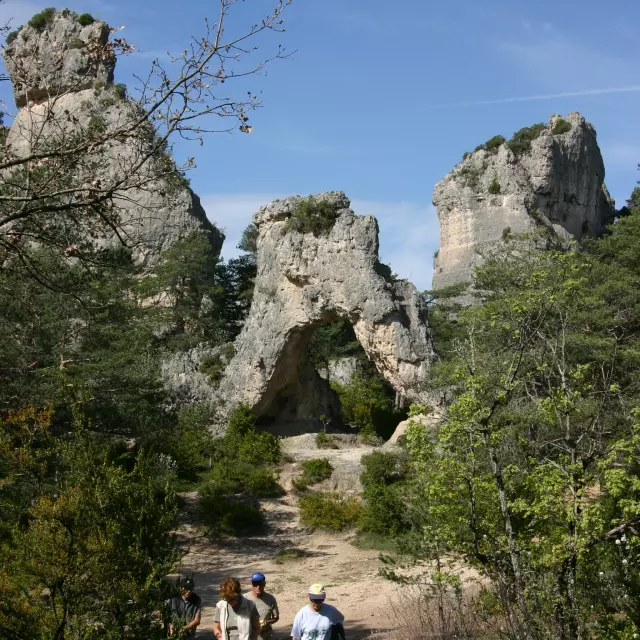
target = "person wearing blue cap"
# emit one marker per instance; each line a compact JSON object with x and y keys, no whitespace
{"x":265,"y":603}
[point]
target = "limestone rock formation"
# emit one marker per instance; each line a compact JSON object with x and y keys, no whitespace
{"x":340,"y":370}
{"x":58,"y":55}
{"x":305,"y":280}
{"x":71,"y":94}
{"x":556,"y":179}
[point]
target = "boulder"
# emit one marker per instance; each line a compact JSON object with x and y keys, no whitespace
{"x":558,"y":181}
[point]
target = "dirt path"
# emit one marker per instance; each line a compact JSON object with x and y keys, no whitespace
{"x":349,"y":574}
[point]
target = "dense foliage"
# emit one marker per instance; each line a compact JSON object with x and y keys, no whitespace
{"x":533,"y":477}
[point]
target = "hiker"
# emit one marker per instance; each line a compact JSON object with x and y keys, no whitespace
{"x":236,"y":617}
{"x":266,"y":604}
{"x":184,"y":611}
{"x":317,"y":620}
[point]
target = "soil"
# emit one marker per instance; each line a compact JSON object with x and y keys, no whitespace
{"x":350,"y":575}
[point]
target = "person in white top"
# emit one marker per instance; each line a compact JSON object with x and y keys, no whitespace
{"x":317,"y":620}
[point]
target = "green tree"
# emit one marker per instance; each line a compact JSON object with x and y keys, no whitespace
{"x":519,"y":479}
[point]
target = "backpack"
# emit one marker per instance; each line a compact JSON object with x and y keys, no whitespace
{"x":337,"y":631}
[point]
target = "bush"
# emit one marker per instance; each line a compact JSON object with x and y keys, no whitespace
{"x":286,"y":555}
{"x":521,"y":141}
{"x":42,"y":19}
{"x":85,"y":19}
{"x":367,"y":404}
{"x":191,"y":445}
{"x":224,"y":515}
{"x":12,"y":35}
{"x":383,"y":468}
{"x":494,"y":186}
{"x":492,"y":145}
{"x":311,"y":216}
{"x":120,"y":90}
{"x":384,"y":512}
{"x":331,"y":511}
{"x":561,"y":126}
{"x":246,"y":445}
{"x":325,"y":441}
{"x":313,"y":471}
{"x":213,"y":366}
{"x":77,"y":43}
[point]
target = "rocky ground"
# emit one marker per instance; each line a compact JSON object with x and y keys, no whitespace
{"x":350,"y":574}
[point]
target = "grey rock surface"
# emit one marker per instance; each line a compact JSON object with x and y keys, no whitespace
{"x":305,"y":281}
{"x":154,"y":206}
{"x":62,"y":56}
{"x":559,"y":182}
{"x":340,"y":370}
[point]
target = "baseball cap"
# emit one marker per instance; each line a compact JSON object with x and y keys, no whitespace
{"x":317,"y":592}
{"x":258,"y":577}
{"x":187,"y":584}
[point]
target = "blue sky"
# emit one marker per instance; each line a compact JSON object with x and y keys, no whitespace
{"x":382,"y":98}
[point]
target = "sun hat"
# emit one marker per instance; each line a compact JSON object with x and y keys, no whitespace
{"x":317,"y":592}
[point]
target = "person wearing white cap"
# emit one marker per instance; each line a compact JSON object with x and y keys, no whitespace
{"x":317,"y":619}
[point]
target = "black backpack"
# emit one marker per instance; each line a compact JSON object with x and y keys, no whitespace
{"x":337,"y":631}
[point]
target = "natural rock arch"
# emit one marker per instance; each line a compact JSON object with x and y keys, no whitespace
{"x":305,"y":280}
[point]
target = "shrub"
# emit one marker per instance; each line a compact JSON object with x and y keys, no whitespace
{"x":314,"y":471}
{"x":561,"y":126}
{"x":286,"y":555}
{"x":213,"y":366}
{"x":492,"y":145}
{"x":120,"y":90}
{"x":331,"y":511}
{"x":383,"y":468}
{"x":494,"y":186}
{"x":506,"y":233}
{"x":85,"y":19}
{"x":311,"y":216}
{"x":77,"y":43}
{"x":97,"y":125}
{"x":12,"y":35}
{"x":384,"y":512}
{"x":243,"y":443}
{"x":325,"y":441}
{"x":191,"y":445}
{"x":367,"y":403}
{"x":521,"y":141}
{"x":466,"y":155}
{"x":42,"y":19}
{"x":436,"y":253}
{"x":224,"y":515}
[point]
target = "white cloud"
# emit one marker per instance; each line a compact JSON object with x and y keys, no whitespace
{"x":232,"y":212}
{"x":547,"y":96}
{"x":409,"y":232}
{"x":409,"y":235}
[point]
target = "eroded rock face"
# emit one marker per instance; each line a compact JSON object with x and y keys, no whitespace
{"x":61,"y":55}
{"x":559,"y":182}
{"x":154,"y":206}
{"x":305,"y":281}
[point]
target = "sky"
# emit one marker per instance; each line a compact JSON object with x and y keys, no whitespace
{"x":380,"y":99}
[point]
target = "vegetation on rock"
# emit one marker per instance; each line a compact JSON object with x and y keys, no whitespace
{"x":521,"y":140}
{"x":311,"y":216}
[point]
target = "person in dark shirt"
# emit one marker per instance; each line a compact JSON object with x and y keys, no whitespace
{"x":184,"y":611}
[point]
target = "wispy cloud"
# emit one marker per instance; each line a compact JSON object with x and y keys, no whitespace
{"x":544,"y":96}
{"x":409,"y":232}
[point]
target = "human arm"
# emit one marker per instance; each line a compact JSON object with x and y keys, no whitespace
{"x":255,"y":623}
{"x":217,"y":630}
{"x":296,"y":630}
{"x":194,"y":623}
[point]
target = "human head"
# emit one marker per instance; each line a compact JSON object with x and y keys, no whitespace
{"x":230,"y":590}
{"x":317,"y":594}
{"x":258,"y":582}
{"x":186,"y":588}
